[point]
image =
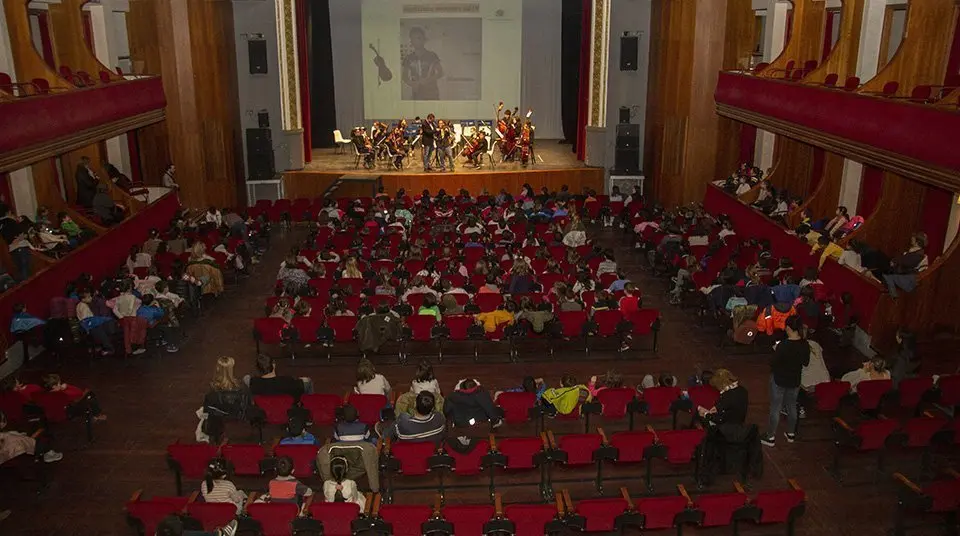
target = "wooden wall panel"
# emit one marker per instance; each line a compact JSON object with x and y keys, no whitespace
{"x":192,"y":45}
{"x":46,"y":185}
{"x":793,"y":168}
{"x":823,"y":202}
{"x":843,"y":57}
{"x":896,"y":217}
{"x":806,"y":37}
{"x":72,"y":49}
{"x":925,"y":49}
{"x":692,"y":40}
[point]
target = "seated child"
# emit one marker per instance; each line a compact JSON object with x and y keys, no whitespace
{"x":528,"y":385}
{"x":665,"y":380}
{"x":81,"y":400}
{"x":566,"y":398}
{"x":611,"y":380}
{"x":285,"y":487}
{"x":349,"y":427}
{"x":100,"y":328}
{"x":216,"y":488}
{"x":297,"y":433}
{"x":340,"y":488}
{"x":151,"y":311}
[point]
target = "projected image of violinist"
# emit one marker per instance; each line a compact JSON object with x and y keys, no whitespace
{"x":441,"y":59}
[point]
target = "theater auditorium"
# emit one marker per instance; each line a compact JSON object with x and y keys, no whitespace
{"x":479,"y":267}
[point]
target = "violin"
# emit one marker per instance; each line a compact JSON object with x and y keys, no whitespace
{"x":384,"y":74}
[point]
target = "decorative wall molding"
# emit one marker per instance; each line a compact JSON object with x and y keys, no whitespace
{"x":599,"y":59}
{"x":288,"y":70}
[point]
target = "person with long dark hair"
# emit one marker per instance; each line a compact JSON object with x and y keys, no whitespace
{"x":216,"y":488}
{"x":905,"y":362}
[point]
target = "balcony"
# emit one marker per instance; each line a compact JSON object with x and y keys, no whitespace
{"x":910,"y":139}
{"x":42,"y":126}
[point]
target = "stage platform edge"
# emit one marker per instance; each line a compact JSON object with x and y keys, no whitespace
{"x":312,"y":184}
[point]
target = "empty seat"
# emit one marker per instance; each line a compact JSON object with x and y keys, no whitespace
{"x":190,"y":461}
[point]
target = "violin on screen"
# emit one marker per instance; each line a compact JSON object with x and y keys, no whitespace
{"x":384,"y":73}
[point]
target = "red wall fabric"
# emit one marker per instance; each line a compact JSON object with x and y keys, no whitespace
{"x":586,"y":38}
{"x":828,"y":34}
{"x":42,"y":119}
{"x":937,"y":204}
{"x":752,"y":224}
{"x":816,"y":174}
{"x":953,"y":62}
{"x":6,"y":197}
{"x":304,"y":66}
{"x":99,"y":257}
{"x":923,"y":133}
{"x":133,"y":149}
{"x":748,"y":143}
{"x":45,"y":43}
{"x":871,"y":187}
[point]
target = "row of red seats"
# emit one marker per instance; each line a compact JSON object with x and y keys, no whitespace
{"x":314,"y":329}
{"x":41,"y":86}
{"x":940,"y":497}
{"x":604,"y":515}
{"x":486,"y":301}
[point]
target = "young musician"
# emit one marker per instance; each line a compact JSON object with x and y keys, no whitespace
{"x":421,"y":68}
{"x":479,"y":146}
{"x":445,"y":139}
{"x":363,"y":144}
{"x":427,"y":137}
{"x":398,"y":143}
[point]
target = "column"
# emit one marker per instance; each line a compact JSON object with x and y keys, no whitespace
{"x":599,"y":60}
{"x":289,"y":73}
{"x":871,"y":34}
{"x":850,"y":185}
{"x":23,"y":192}
{"x":773,"y":42}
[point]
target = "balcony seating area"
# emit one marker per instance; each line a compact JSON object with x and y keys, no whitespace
{"x":41,"y":86}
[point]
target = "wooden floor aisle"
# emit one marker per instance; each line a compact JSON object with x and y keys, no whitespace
{"x":151,"y":403}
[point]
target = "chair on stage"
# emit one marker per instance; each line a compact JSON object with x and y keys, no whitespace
{"x":341,"y":142}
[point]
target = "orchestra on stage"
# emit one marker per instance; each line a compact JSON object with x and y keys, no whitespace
{"x":440,"y":143}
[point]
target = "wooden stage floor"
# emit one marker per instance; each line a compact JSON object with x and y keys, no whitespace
{"x":559,"y":167}
{"x":554,"y":155}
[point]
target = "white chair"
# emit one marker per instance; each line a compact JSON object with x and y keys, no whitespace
{"x":340,"y":141}
{"x":457,"y":133}
{"x":489,"y":153}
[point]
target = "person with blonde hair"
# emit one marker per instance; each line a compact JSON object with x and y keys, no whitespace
{"x":351,"y":270}
{"x":731,"y":406}
{"x":224,"y":378}
{"x":203,"y":268}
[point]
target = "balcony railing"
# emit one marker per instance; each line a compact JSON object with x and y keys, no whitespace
{"x":914,"y":140}
{"x":41,"y":126}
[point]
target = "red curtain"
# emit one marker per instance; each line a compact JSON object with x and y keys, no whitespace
{"x":6,"y":196}
{"x":45,"y":43}
{"x":828,"y":33}
{"x":586,"y":41}
{"x":748,"y":143}
{"x":88,"y":30}
{"x":819,"y":162}
{"x":937,"y":204}
{"x":133,"y":151}
{"x":871,"y":186}
{"x":304,"y":66}
{"x":953,"y":62}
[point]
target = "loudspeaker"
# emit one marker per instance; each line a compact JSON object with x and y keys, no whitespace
{"x":257,"y":56}
{"x":626,"y":158}
{"x":263,"y":119}
{"x":629,"y":51}
{"x":628,"y":136}
{"x":260,"y":164}
{"x":624,"y":114}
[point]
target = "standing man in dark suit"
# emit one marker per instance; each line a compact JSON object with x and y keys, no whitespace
{"x":86,"y":183}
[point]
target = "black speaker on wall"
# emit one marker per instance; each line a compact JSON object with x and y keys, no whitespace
{"x":257,"y":56}
{"x":629,"y":52}
{"x":263,"y":119}
{"x":626,"y":157}
{"x":624,"y":115}
{"x":260,"y":164}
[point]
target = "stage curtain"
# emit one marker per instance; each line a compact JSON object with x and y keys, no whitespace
{"x":99,"y":257}
{"x":324,"y":101}
{"x":937,"y":203}
{"x":748,"y":142}
{"x":303,"y":10}
{"x":540,"y":74}
{"x":871,"y":186}
{"x":347,"y":60}
{"x":586,"y":38}
{"x":572,"y":13}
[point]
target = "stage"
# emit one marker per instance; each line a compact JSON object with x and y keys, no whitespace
{"x":559,"y":166}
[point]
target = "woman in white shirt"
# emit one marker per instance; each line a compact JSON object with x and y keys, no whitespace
{"x":217,"y":489}
{"x":425,"y":380}
{"x":369,"y":382}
